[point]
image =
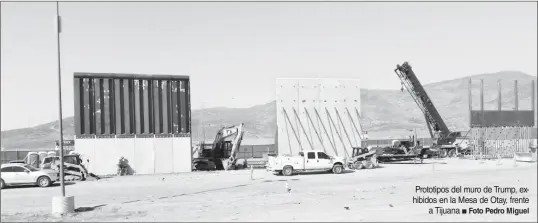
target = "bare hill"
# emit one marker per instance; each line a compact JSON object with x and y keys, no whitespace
{"x":386,"y":113}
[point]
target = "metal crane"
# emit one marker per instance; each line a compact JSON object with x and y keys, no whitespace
{"x":444,"y":139}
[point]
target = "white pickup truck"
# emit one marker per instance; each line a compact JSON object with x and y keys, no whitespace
{"x":307,"y":161}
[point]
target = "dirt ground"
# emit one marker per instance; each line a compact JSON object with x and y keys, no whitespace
{"x":383,"y":194}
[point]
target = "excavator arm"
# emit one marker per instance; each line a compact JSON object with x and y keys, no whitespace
{"x":222,"y":135}
{"x":226,"y":132}
{"x":436,"y":125}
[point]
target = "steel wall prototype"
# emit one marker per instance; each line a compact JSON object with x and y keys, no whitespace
{"x":128,"y":104}
{"x":502,"y":118}
{"x":320,"y":113}
{"x":138,"y":117}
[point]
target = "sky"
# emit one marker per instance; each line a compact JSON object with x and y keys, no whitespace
{"x":234,"y":51}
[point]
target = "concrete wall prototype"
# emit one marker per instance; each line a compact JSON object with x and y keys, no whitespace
{"x":146,"y":155}
{"x":320,"y":114}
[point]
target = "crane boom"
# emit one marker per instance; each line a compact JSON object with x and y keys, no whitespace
{"x":438,"y":129}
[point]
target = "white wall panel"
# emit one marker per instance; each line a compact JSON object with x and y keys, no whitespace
{"x":182,"y":155}
{"x":144,"y":156}
{"x":104,"y":162}
{"x":287,"y":97}
{"x":332,"y":106}
{"x":85,"y":147}
{"x":124,"y":147}
{"x":308,"y":102}
{"x":164,"y":155}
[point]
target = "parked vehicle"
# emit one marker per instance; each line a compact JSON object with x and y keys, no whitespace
{"x":307,"y":161}
{"x":24,"y":174}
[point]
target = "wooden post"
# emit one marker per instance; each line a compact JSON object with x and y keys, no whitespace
{"x":470,"y":102}
{"x":499,"y":96}
{"x":533,"y":99}
{"x":516,"y":100}
{"x":482,"y":102}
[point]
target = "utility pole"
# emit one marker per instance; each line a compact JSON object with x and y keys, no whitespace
{"x":61,"y":204}
{"x":61,"y":141}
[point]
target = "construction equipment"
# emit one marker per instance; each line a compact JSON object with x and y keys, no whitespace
{"x":401,"y":150}
{"x":73,"y":167}
{"x":123,"y":167}
{"x":222,"y":153}
{"x":363,"y":158}
{"x":530,"y":156}
{"x":444,"y":139}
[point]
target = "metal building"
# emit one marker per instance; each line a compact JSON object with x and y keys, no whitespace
{"x":144,"y":118}
{"x":318,"y":113}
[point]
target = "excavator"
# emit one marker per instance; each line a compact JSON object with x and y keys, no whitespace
{"x":222,"y":153}
{"x":446,"y":142}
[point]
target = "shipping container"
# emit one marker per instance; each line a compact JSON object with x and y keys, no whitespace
{"x":131,"y":104}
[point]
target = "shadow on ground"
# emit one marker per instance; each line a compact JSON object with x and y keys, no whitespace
{"x":86,"y":209}
{"x":35,"y":186}
{"x":193,"y":193}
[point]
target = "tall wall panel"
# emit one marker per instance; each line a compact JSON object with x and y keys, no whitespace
{"x":107,"y":108}
{"x":181,"y":149}
{"x":86,"y":145}
{"x":102,"y":148}
{"x":144,"y":160}
{"x":165,"y":108}
{"x":164,"y":155}
{"x":145,"y":106}
{"x":287,"y":96}
{"x":78,"y":106}
{"x":157,"y":120}
{"x":308,"y":104}
{"x":137,"y":108}
{"x":86,"y":107}
{"x":123,"y":114}
{"x":174,"y":101}
{"x":118,"y":107}
{"x":125,"y":146}
{"x":97,"y":105}
{"x":127,"y":111}
{"x":188,"y":105}
{"x":183,"y":108}
{"x":325,"y":117}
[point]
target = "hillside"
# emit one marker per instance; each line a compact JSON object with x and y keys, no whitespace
{"x":386,"y":113}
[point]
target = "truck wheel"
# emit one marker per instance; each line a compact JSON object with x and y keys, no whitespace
{"x":443,"y":153}
{"x":287,"y":171}
{"x":2,"y":184}
{"x":452,"y":153}
{"x":358,"y":165}
{"x":43,"y":181}
{"x":337,"y":169}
